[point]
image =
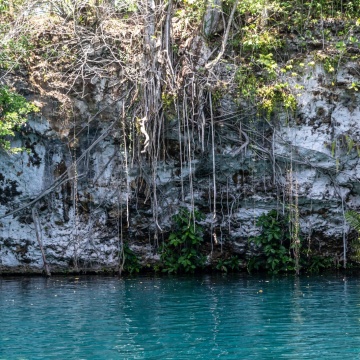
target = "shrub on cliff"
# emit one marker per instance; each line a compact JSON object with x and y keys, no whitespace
{"x":14,"y":109}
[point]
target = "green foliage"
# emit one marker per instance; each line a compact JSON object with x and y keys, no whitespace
{"x":83,"y":13}
{"x":168,"y":101}
{"x":7,"y":7}
{"x":274,"y":95}
{"x":268,"y":93}
{"x":180,"y":253}
{"x":247,"y":82}
{"x":191,"y":11}
{"x":353,"y":218}
{"x":349,"y":143}
{"x":355,"y":245}
{"x":274,"y":242}
{"x":126,"y":6}
{"x":354,"y":86}
{"x":14,"y":51}
{"x":332,"y":8}
{"x":252,"y":7}
{"x":262,"y":27}
{"x":260,"y":42}
{"x":131,"y":264}
{"x":15,"y":48}
{"x":229,"y":264}
{"x":269,"y":64}
{"x":330,"y":63}
{"x":14,"y":109}
{"x":317,"y":263}
{"x":343,"y":142}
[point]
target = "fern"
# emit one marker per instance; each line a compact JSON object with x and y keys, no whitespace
{"x":353,"y":218}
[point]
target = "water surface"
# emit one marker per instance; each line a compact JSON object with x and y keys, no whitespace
{"x":207,"y":317}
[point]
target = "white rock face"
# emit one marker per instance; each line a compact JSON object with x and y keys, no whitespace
{"x":86,"y":211}
{"x":212,"y":18}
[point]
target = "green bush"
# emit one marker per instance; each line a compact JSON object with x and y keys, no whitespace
{"x":180,"y":253}
{"x":14,"y":51}
{"x":229,"y":264}
{"x":274,"y":243}
{"x":317,"y":263}
{"x":353,"y":219}
{"x":14,"y":109}
{"x":131,"y":263}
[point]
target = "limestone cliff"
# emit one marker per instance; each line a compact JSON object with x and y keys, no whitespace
{"x":120,"y":145}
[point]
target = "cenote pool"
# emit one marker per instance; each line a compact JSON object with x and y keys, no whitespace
{"x":206,"y":317}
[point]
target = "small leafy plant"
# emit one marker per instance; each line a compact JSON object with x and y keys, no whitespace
{"x":14,"y":52}
{"x":14,"y":109}
{"x":317,"y":263}
{"x":131,"y":264}
{"x":353,"y":218}
{"x":180,"y":253}
{"x":229,"y":264}
{"x":277,"y":94}
{"x":274,"y":243}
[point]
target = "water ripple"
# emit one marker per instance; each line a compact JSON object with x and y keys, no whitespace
{"x":208,"y":317}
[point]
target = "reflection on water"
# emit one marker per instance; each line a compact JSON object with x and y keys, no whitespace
{"x":232,"y":317}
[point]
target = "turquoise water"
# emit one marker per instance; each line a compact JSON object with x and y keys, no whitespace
{"x":208,"y":317}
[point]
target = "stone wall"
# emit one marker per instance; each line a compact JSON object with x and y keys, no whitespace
{"x":90,"y":194}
